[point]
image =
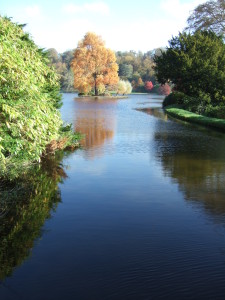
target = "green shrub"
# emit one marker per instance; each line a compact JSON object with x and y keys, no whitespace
{"x":29,"y":97}
{"x":174,"y":98}
{"x":215,"y":111}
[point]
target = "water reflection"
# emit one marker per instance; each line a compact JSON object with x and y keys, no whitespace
{"x":194,"y":159}
{"x":156,"y":112}
{"x":96,"y":119}
{"x":25,"y":205}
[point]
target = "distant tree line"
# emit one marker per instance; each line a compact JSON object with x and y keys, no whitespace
{"x":62,"y":65}
{"x":135,"y":67}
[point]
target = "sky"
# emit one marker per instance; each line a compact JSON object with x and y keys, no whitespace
{"x":124,"y":25}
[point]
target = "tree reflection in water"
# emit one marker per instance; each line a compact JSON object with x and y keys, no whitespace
{"x":25,"y":203}
{"x":195,"y":159}
{"x":96,"y":120}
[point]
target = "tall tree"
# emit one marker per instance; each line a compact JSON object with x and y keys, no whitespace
{"x":195,"y":64}
{"x":208,"y":16}
{"x":93,"y":64}
{"x":125,"y":70}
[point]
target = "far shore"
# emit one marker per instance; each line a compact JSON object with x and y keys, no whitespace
{"x":101,"y":97}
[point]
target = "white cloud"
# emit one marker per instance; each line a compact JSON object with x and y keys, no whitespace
{"x":175,"y":9}
{"x":64,"y":36}
{"x":96,"y":7}
{"x":142,"y":34}
{"x":32,"y":11}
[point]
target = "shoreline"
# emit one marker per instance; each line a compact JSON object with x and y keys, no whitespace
{"x":188,"y":116}
{"x":101,"y":97}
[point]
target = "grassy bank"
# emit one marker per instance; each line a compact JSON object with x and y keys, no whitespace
{"x":195,"y":118}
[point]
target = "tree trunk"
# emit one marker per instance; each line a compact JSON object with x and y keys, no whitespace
{"x":96,"y":90}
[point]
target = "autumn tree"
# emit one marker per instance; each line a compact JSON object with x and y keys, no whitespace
{"x":208,"y":16}
{"x":140,"y":82}
{"x":148,"y":86}
{"x":121,"y":87}
{"x":93,"y":65}
{"x":124,"y":87}
{"x":129,"y":87}
{"x":164,"y":89}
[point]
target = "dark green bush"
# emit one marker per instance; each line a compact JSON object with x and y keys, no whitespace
{"x":174,"y":98}
{"x":215,"y":111}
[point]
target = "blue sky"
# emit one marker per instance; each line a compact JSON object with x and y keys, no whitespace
{"x":124,"y":25}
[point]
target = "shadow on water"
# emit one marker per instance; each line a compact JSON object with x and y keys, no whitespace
{"x":25,"y":203}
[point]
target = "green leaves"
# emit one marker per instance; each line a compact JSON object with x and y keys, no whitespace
{"x":195,"y":63}
{"x":29,"y":96}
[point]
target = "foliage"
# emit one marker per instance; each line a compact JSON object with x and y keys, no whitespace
{"x":149,"y":86}
{"x":195,"y":118}
{"x":125,"y":71}
{"x":164,"y":89}
{"x":93,"y":64}
{"x":195,"y":64}
{"x":134,"y":65}
{"x":208,"y":16}
{"x":196,"y":105}
{"x":129,"y":87}
{"x":124,"y":87}
{"x":61,"y":64}
{"x":121,"y":87}
{"x":174,"y":98}
{"x":215,"y":111}
{"x":29,"y":97}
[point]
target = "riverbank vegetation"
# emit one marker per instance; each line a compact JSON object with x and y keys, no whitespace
{"x":194,"y":63}
{"x":193,"y":66}
{"x":195,"y":118}
{"x":29,"y":100}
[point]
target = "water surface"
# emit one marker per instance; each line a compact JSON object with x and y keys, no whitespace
{"x":137,"y":213}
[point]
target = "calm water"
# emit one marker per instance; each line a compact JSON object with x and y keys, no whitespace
{"x":137,"y":213}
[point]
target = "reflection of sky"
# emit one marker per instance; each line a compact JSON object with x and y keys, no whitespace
{"x":124,"y":228}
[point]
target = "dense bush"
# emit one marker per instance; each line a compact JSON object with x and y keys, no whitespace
{"x":29,"y":97}
{"x":200,"y":106}
{"x":173,"y":98}
{"x":195,"y":64}
{"x":215,"y":111}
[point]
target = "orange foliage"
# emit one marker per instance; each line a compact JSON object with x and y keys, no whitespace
{"x":93,"y":64}
{"x":140,"y":82}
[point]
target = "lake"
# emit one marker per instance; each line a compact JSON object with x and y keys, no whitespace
{"x":138,"y":212}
